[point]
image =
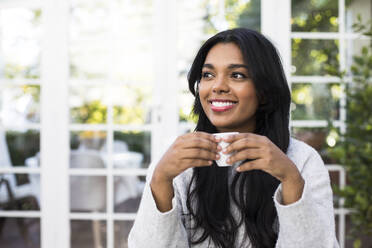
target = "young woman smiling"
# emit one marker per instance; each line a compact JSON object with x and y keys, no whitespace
{"x":276,"y":193}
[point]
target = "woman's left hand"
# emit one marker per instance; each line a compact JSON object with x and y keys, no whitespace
{"x":266,"y":156}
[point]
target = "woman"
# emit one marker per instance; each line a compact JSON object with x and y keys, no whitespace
{"x":276,"y":193}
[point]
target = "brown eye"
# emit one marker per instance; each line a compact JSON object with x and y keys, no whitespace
{"x":207,"y":75}
{"x":238,"y":75}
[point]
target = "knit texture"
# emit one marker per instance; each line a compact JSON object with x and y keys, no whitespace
{"x":308,"y":222}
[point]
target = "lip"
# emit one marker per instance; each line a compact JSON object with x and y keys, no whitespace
{"x":222,"y":108}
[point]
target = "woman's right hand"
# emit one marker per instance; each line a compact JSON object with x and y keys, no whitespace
{"x":190,"y":150}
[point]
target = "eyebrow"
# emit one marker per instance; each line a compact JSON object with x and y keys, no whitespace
{"x":231,"y":66}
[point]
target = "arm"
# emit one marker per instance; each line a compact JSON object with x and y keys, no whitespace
{"x":152,"y":226}
{"x":309,"y":221}
{"x":159,"y":221}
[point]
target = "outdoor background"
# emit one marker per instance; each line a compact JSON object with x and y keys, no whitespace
{"x":91,"y":91}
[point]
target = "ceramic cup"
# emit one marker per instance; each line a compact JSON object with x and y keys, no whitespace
{"x":223,"y":157}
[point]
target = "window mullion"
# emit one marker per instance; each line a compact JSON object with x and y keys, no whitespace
{"x":54,"y":126}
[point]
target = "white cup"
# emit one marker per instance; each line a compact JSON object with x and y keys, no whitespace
{"x":223,"y":157}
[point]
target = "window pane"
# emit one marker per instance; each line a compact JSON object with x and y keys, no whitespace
{"x":131,"y":104}
{"x":88,"y":104}
{"x":133,"y":44}
{"x":355,"y":8}
{"x":23,"y":145}
{"x":354,"y":48}
{"x":87,"y":193}
{"x":314,"y":16}
{"x":88,"y":233}
{"x":132,"y":149}
{"x":89,"y":43}
{"x":122,"y":229}
{"x":314,"y":57}
{"x":20,"y":42}
{"x":20,"y":105}
{"x":186,"y":101}
{"x":320,"y":138}
{"x":20,"y":232}
{"x":20,"y":192}
{"x":128,"y":192}
{"x":315,"y":101}
{"x":244,"y":14}
{"x":88,"y":141}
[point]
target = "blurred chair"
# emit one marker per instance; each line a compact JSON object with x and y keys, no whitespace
{"x":88,"y":193}
{"x":13,"y":196}
{"x":118,"y":146}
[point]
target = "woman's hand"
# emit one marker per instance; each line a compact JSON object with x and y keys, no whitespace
{"x":266,"y":157}
{"x":190,"y":150}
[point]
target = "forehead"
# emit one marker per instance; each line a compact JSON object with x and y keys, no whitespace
{"x":224,"y":53}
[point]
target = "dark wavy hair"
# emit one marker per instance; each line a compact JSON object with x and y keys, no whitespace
{"x":210,"y":194}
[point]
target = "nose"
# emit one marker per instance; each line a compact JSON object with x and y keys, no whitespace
{"x":220,"y":86}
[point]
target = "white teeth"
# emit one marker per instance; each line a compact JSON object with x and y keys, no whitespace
{"x":222,"y":104}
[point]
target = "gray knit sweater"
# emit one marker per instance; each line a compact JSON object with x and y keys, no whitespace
{"x":307,"y":223}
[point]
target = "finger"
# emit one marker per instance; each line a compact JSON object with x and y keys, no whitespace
{"x":248,"y":166}
{"x":199,"y":154}
{"x":240,"y":144}
{"x":201,"y":143}
{"x":205,"y":135}
{"x":197,"y":162}
{"x":251,"y":153}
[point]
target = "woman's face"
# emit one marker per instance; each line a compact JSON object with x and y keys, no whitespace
{"x":226,"y":91}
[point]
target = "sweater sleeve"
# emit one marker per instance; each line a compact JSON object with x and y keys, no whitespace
{"x":153,"y":228}
{"x":309,"y":222}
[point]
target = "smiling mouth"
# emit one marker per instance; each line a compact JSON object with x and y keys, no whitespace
{"x":221,"y":106}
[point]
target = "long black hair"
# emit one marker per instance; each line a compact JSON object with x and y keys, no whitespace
{"x":210,"y":194}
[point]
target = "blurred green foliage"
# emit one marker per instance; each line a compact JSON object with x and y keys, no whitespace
{"x":354,"y":151}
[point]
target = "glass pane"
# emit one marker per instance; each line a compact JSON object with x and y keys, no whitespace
{"x":133,"y":45}
{"x":314,"y":16}
{"x":335,"y":183}
{"x":132,"y":149}
{"x":90,"y":141}
{"x":132,"y":104}
{"x":366,"y":239}
{"x":337,"y":225}
{"x":186,"y":102}
{"x":355,"y":8}
{"x":89,"y":43}
{"x":122,"y":229}
{"x":20,"y":192}
{"x":88,"y":233}
{"x":319,"y":138}
{"x":244,"y":13}
{"x":20,"y":232}
{"x":88,"y":104}
{"x":314,"y":57}
{"x":89,"y":20}
{"x":128,"y":191}
{"x":20,"y":105}
{"x":354,"y":48}
{"x":89,"y":60}
{"x":23,"y":147}
{"x":20,"y":42}
{"x":315,"y":101}
{"x":87,"y":193}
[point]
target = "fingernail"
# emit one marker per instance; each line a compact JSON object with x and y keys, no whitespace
{"x":219,"y":148}
{"x":218,"y":156}
{"x":217,"y":138}
{"x":238,"y":169}
{"x":224,"y":150}
{"x":209,"y":162}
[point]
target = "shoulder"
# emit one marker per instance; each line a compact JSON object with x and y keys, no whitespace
{"x":302,"y":154}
